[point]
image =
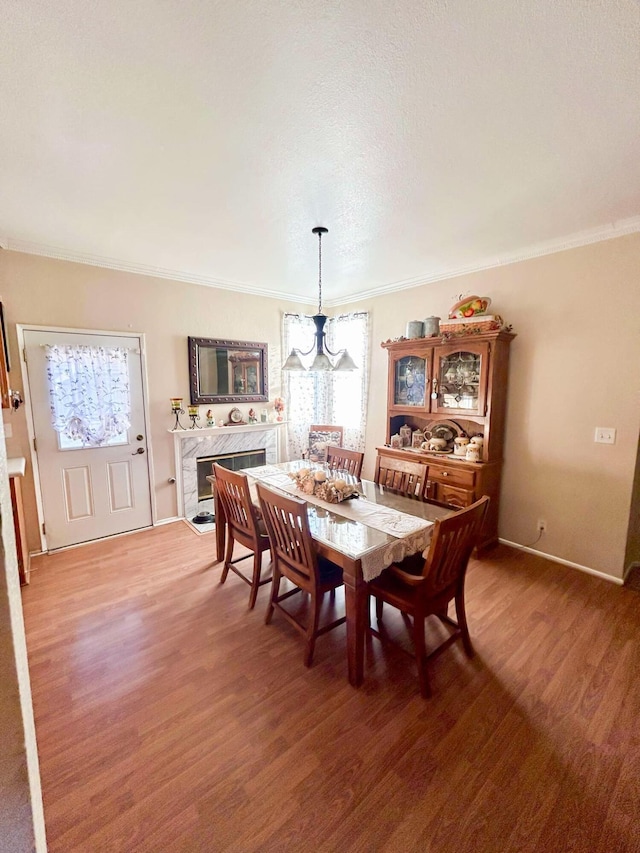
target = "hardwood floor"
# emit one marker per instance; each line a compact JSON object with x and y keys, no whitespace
{"x":170,"y":719}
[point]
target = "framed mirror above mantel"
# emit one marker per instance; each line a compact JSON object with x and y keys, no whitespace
{"x":222,"y":371}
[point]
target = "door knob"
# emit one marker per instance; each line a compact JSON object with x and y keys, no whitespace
{"x":138,"y":451}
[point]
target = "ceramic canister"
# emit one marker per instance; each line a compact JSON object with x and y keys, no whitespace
{"x":414,"y":329}
{"x":405,"y":435}
{"x":461,"y":444}
{"x":431,"y":326}
{"x":473,"y":453}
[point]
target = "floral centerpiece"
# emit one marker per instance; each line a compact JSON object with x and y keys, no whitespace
{"x":317,"y":483}
{"x":278,"y":405}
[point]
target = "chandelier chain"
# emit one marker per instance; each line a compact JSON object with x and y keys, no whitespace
{"x":320,"y":272}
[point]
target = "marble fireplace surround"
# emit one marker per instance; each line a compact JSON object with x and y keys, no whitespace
{"x":190,"y":445}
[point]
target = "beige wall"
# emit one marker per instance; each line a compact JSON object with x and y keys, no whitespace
{"x":575,"y":365}
{"x":46,"y":292}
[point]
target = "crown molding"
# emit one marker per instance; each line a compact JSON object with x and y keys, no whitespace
{"x":562,"y":244}
{"x":58,"y":254}
{"x":550,"y":247}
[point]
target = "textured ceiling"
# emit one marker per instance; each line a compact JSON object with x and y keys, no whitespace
{"x":203,"y":140}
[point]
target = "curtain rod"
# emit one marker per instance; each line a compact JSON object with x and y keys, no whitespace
{"x":336,"y":317}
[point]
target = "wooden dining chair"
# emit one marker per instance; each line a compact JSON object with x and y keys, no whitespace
{"x":340,"y":459}
{"x":424,"y":587}
{"x":243,"y":525}
{"x":320,"y":437}
{"x":293,"y":556}
{"x":401,"y":475}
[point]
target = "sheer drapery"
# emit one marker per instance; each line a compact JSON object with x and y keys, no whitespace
{"x":89,"y":392}
{"x":338,"y":398}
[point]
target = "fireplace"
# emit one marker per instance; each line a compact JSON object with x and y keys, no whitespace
{"x":192,"y":445}
{"x":232,"y":461}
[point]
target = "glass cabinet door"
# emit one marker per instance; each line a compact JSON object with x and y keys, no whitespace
{"x":461,"y":376}
{"x":409,"y":381}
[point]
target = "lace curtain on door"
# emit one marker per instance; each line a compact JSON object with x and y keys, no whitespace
{"x":327,"y":398}
{"x":89,"y":392}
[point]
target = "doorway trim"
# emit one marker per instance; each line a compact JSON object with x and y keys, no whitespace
{"x":21,"y":328}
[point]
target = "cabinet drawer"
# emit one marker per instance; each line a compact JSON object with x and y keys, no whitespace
{"x":453,"y":496}
{"x":453,"y":476}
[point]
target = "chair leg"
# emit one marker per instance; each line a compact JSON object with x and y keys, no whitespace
{"x":379,"y":603}
{"x":421,"y":655}
{"x":312,"y":629}
{"x":462,"y":623}
{"x":275,"y":592}
{"x":227,"y":556}
{"x":255,"y":581}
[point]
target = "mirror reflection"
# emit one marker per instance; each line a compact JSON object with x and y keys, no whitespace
{"x":227,"y":371}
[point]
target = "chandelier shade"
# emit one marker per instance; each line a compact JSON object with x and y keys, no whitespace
{"x":321,"y":362}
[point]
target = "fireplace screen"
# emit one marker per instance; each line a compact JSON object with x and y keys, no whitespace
{"x":232,"y":461}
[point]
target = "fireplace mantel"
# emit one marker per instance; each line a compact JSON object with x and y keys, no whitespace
{"x":181,"y":434}
{"x":191,"y":444}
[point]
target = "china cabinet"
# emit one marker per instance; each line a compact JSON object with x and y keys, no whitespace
{"x":449,"y":389}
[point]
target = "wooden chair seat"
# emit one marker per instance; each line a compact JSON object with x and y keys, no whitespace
{"x":425,"y":587}
{"x":293,"y":556}
{"x":244,"y":525}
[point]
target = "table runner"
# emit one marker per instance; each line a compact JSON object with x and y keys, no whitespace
{"x":411,"y":534}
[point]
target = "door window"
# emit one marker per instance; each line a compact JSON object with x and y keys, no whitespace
{"x":89,"y":395}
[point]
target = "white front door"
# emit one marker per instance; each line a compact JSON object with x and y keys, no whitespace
{"x":88,"y":492}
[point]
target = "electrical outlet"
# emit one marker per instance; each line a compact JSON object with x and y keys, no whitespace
{"x":605,"y":435}
{"x":542,"y":525}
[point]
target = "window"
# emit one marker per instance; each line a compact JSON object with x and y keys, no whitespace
{"x":89,"y":395}
{"x":327,"y":398}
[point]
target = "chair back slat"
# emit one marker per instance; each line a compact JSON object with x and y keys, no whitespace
{"x":453,"y":540}
{"x":340,"y":459}
{"x":233,"y":492}
{"x":401,"y":475}
{"x":288,"y":529}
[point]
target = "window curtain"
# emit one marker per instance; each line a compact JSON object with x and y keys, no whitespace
{"x":327,"y":398}
{"x":89,"y":392}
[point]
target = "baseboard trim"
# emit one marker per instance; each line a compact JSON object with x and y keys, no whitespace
{"x":159,"y":522}
{"x":585,"y":569}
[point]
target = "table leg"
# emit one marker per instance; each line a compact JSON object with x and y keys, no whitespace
{"x":356,"y":603}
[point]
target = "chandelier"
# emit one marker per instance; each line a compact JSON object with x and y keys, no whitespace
{"x":321,"y":362}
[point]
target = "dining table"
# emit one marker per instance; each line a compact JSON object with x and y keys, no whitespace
{"x":364,"y":535}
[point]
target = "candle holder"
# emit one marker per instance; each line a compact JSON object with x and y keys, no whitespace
{"x":177,"y":410}
{"x":194,"y":414}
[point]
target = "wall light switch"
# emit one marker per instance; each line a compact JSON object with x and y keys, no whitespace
{"x":605,"y":435}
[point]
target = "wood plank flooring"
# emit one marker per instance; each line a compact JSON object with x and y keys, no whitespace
{"x":170,"y":719}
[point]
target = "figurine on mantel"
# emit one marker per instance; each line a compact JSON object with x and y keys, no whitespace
{"x":211,"y":421}
{"x":252,"y":417}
